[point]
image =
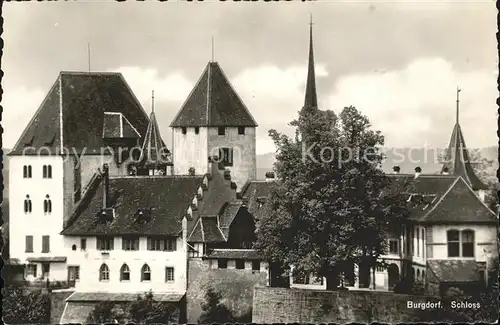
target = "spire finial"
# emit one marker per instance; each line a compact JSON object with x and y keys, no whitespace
{"x":152,"y":101}
{"x":213,"y":50}
{"x":88,"y":54}
{"x":458,"y":103}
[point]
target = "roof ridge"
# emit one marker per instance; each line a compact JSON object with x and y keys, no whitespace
{"x":97,"y":73}
{"x":441,"y":198}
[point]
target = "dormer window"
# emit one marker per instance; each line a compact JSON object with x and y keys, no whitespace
{"x":106,"y":215}
{"x":143,"y":216}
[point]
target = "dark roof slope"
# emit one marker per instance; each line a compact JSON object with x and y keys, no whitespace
{"x":257,"y":193}
{"x":454,"y":270}
{"x":154,"y":151}
{"x":213,"y":102}
{"x":84,"y":97}
{"x":457,"y":160}
{"x":459,"y":205}
{"x":168,"y":196}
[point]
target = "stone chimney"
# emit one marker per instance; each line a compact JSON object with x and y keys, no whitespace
{"x":418,"y":171}
{"x":396,"y":169}
{"x":269,"y":176}
{"x":105,"y":179}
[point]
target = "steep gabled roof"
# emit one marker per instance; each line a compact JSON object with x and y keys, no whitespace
{"x":442,"y":199}
{"x":167,"y":198}
{"x":72,"y":113}
{"x":213,"y":102}
{"x":154,"y":151}
{"x":457,"y":160}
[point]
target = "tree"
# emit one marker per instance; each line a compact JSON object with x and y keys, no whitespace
{"x":486,"y":169}
{"x":22,"y":307}
{"x":103,"y":312}
{"x":332,"y":205}
{"x":213,"y":310}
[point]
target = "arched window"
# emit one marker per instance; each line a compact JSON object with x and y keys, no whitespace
{"x":453,"y":239}
{"x":73,"y":248}
{"x":104,"y":273}
{"x":467,"y":243}
{"x":125,"y":273}
{"x":145,"y":273}
{"x":27,"y":204}
{"x":47,"y":204}
{"x":29,"y":171}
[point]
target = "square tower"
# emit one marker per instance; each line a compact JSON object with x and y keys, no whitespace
{"x":214,"y":121}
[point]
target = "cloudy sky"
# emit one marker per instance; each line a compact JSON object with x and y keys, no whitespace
{"x":398,"y":62}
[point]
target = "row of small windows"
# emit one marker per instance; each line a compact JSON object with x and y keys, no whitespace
{"x":221,"y":130}
{"x":104,"y":274}
{"x":47,"y":204}
{"x":239,"y":264}
{"x":132,"y":244}
{"x":46,"y":171}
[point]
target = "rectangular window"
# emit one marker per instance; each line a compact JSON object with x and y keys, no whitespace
{"x":197,"y":130}
{"x":29,"y":244}
{"x":31,"y":270}
{"x":105,"y":243}
{"x":467,"y":244}
{"x":453,"y":243}
{"x":193,"y":252}
{"x":222,"y":264}
{"x":227,"y":156}
{"x":222,"y":130}
{"x":412,"y":241}
{"x":45,"y":244}
{"x":45,"y":270}
{"x":83,"y":244}
{"x":73,"y":273}
{"x":154,"y":244}
{"x":130,"y":243}
{"x":184,"y":130}
{"x":169,"y":274}
{"x":418,"y":242}
{"x":170,"y":245}
{"x":240,"y":264}
{"x":393,"y":246}
{"x":256,"y":265}
{"x":241,"y":130}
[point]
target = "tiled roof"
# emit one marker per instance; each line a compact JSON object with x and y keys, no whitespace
{"x":120,"y":297}
{"x":117,"y":126}
{"x":248,"y":254}
{"x":257,"y":193}
{"x":213,"y":102}
{"x":228,"y":215}
{"x":459,"y":205}
{"x":168,"y":197}
{"x":206,"y":230}
{"x":454,"y":270}
{"x":457,"y":160}
{"x":80,"y":100}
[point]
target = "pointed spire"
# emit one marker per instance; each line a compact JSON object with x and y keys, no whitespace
{"x":152,"y":101}
{"x":154,"y":153}
{"x":311,"y":99}
{"x":213,"y":50}
{"x":457,"y":160}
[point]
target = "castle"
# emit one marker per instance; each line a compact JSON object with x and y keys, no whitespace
{"x":98,"y":202}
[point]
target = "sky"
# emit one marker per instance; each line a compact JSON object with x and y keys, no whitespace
{"x":398,"y":62}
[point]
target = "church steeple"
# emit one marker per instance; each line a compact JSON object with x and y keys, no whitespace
{"x":311,"y":99}
{"x":457,"y":160}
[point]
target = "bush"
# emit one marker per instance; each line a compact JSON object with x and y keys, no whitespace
{"x":213,"y":310}
{"x":22,"y":307}
{"x":144,"y":310}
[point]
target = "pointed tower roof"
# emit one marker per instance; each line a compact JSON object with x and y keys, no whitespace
{"x":457,"y":160}
{"x":311,"y":99}
{"x":213,"y":102}
{"x":154,"y":151}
